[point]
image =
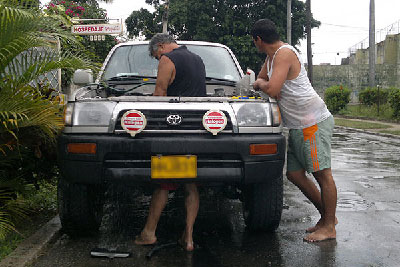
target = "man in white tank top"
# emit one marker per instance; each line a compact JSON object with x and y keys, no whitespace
{"x":310,"y":124}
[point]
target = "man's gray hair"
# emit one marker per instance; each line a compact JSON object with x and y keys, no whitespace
{"x":159,"y":38}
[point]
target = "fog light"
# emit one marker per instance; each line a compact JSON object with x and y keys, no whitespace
{"x":82,"y":148}
{"x":263,"y":149}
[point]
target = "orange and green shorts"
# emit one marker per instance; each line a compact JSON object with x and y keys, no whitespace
{"x":310,"y":148}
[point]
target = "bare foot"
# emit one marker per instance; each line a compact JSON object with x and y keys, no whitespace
{"x":186,"y":242}
{"x":144,"y":239}
{"x":186,"y":245}
{"x":322,"y":234}
{"x":318,"y":225}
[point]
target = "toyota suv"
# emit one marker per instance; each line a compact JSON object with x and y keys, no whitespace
{"x":117,"y":132}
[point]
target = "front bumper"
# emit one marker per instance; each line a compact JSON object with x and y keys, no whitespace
{"x":221,"y":159}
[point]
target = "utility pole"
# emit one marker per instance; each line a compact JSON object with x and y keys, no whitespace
{"x":165,"y":17}
{"x":372,"y":43}
{"x":309,"y":49}
{"x":289,"y":21}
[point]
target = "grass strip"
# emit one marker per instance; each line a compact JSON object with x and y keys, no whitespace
{"x":395,"y":132}
{"x":360,"y":124}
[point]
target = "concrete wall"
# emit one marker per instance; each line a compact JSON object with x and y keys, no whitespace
{"x":354,"y":75}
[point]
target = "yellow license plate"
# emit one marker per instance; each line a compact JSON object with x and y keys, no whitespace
{"x":171,"y":167}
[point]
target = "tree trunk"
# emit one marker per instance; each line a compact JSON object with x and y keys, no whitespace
{"x":165,"y":17}
{"x":309,"y":48}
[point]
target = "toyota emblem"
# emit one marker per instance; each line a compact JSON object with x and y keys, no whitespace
{"x":174,"y":119}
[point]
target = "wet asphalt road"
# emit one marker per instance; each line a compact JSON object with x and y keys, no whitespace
{"x":366,"y":169}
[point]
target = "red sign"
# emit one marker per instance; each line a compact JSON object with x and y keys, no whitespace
{"x":133,"y":122}
{"x":214,"y":121}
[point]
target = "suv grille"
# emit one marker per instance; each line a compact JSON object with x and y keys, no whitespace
{"x":143,"y":160}
{"x":157,"y":120}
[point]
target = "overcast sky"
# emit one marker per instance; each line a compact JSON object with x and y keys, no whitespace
{"x":344,"y":23}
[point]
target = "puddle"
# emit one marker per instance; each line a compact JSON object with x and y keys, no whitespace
{"x":351,"y":201}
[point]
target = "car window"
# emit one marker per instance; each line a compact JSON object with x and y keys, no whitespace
{"x":131,"y":60}
{"x":135,"y":60}
{"x":219,"y":63}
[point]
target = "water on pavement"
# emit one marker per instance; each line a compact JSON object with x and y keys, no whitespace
{"x":366,"y":170}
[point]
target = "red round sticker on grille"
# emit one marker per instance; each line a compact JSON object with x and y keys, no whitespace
{"x":214,"y":121}
{"x":133,"y":122}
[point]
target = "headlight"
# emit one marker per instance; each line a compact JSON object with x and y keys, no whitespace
{"x":276,"y":115}
{"x":69,"y":109}
{"x":252,"y":114}
{"x":93,"y":113}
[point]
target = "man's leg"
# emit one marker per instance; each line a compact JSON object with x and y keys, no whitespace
{"x":326,"y":228}
{"x":306,"y":186}
{"x":310,"y":190}
{"x":192,"y":208}
{"x":158,"y":202}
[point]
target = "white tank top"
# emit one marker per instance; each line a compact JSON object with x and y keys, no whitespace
{"x":300,"y":105}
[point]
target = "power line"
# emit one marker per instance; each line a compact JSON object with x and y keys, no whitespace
{"x":336,"y":52}
{"x":344,"y":26}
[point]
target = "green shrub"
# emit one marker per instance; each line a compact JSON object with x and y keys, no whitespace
{"x":336,"y":98}
{"x":369,"y":96}
{"x":394,"y":100}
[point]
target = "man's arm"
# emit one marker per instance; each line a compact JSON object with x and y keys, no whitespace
{"x":263,"y":74}
{"x":165,"y":76}
{"x":282,"y":63}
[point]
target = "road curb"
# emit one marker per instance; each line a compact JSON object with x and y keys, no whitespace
{"x":31,"y":248}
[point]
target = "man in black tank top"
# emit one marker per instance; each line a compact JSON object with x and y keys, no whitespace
{"x":180,"y":73}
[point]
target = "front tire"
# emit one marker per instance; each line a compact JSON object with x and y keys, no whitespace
{"x":80,"y":207}
{"x":262,"y":207}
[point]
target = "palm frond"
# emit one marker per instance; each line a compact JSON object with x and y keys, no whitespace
{"x":27,"y":108}
{"x":21,"y":30}
{"x":12,"y":208}
{"x":28,"y":51}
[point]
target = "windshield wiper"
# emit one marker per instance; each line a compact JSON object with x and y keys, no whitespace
{"x":130,"y":91}
{"x":213,"y":80}
{"x":127,"y":77}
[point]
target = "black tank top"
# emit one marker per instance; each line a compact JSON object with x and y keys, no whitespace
{"x":190,"y":73}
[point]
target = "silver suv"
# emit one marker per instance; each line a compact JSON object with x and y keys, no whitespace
{"x":117,"y":132}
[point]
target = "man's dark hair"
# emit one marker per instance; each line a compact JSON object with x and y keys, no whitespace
{"x":266,"y":30}
{"x":159,"y":38}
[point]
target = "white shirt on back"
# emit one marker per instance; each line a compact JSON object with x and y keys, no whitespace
{"x":300,"y":105}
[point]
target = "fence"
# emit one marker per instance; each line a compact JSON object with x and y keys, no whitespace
{"x":380,"y":36}
{"x":52,"y":78}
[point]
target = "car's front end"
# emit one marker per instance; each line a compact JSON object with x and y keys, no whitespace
{"x":95,"y":148}
{"x":117,"y":132}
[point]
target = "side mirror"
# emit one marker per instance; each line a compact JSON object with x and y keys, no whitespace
{"x":82,"y":77}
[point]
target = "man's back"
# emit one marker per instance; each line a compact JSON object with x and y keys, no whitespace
{"x":189,"y":73}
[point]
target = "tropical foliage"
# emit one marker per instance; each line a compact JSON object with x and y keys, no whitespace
{"x":30,"y":115}
{"x":69,"y":11}
{"x":394,"y":100}
{"x":225,"y":21}
{"x":336,"y":98}
{"x":371,"y":96}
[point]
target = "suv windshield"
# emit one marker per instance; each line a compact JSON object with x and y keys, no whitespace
{"x":135,"y":60}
